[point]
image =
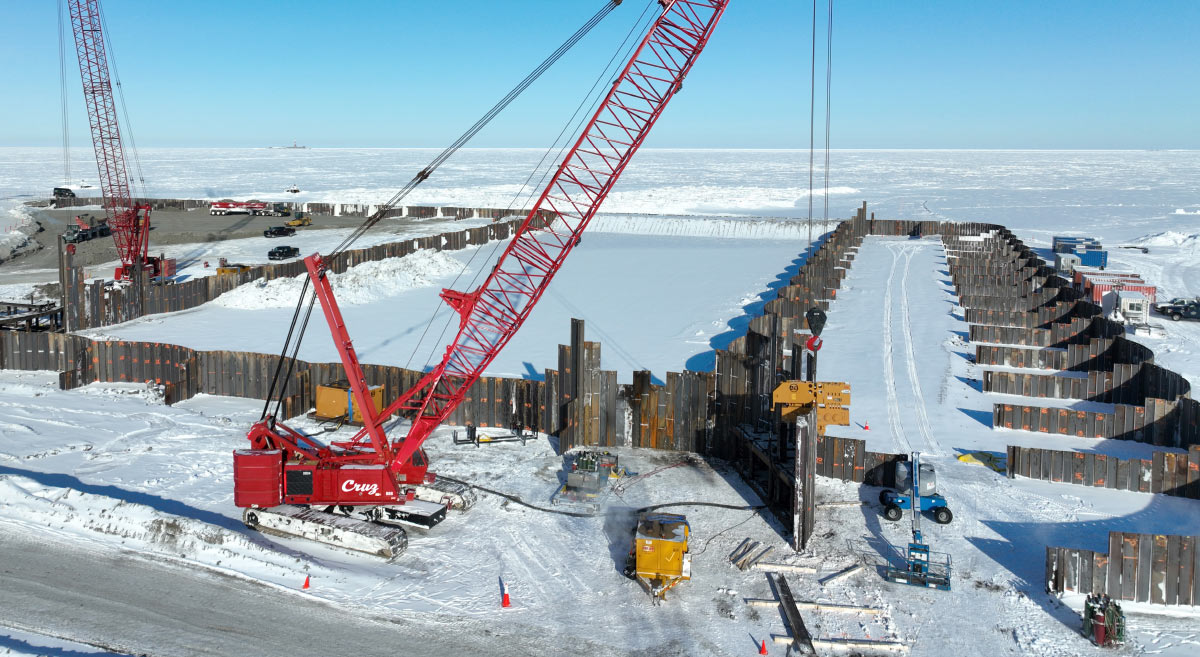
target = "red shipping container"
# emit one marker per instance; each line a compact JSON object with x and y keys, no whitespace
{"x":1096,"y":289}
{"x":1082,"y":273}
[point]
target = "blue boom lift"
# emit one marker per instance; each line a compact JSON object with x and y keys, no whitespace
{"x":917,"y":490}
{"x":916,"y":485}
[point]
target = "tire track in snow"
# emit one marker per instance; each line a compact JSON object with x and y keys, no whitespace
{"x":889,"y":373}
{"x":911,"y":360}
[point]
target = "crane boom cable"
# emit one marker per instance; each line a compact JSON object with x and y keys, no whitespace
{"x":828,"y":99}
{"x":587,"y":101}
{"x":474,"y":129}
{"x":421,"y":176}
{"x":570,"y":126}
{"x":291,"y":361}
{"x":491,"y":314}
{"x":102,"y":120}
{"x":812,"y":113}
{"x":128,"y":125}
{"x":62,"y":90}
{"x":286,"y":343}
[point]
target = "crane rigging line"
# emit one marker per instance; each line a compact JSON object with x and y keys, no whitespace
{"x":62,"y":90}
{"x":828,"y":96}
{"x":479,"y":125}
{"x":116,"y":74}
{"x":420,"y":177}
{"x":570,"y":126}
{"x":812,"y":116}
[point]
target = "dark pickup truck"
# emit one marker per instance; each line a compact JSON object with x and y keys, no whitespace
{"x":283,"y":253}
{"x":1179,"y":309}
{"x":279,"y":231}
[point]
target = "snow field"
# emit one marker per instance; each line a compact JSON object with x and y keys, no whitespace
{"x":17,"y":226}
{"x":1000,"y":528}
{"x":158,"y":480}
{"x":918,"y":377}
{"x":365,"y":283}
{"x":653,"y":302}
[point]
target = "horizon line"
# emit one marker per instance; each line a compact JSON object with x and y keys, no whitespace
{"x":658,"y":148}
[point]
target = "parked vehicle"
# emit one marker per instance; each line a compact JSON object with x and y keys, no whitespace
{"x":302,"y":219}
{"x":1176,"y":301}
{"x":252,"y":207}
{"x":1189,"y":310}
{"x":227,"y":206}
{"x":279,"y":231}
{"x":272,"y":210}
{"x":82,"y":232}
{"x":63,"y":192}
{"x":283,"y":253}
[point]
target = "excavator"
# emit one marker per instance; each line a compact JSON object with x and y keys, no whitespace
{"x":359,"y":493}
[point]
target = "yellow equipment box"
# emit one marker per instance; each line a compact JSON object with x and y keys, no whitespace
{"x":333,"y":400}
{"x":228,"y":270}
{"x":660,"y":551}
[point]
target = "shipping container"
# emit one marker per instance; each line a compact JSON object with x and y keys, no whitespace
{"x":1062,"y":244}
{"x":1083,"y":272}
{"x":1092,"y":257}
{"x":1065,"y":263}
{"x":1095,"y":289}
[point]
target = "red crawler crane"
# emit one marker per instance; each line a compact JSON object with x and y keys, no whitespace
{"x":385,"y":481}
{"x":130,"y":223}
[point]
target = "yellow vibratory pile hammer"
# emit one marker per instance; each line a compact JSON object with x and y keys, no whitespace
{"x":829,"y":398}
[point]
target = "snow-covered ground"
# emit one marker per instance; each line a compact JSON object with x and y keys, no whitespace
{"x":1116,"y":196}
{"x":111,"y":464}
{"x":651,"y":300}
{"x":157,"y":479}
{"x":17,"y":643}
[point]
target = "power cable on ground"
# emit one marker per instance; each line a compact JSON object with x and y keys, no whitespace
{"x":579,"y":514}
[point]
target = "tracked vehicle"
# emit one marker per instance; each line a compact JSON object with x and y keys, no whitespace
{"x":340,"y":493}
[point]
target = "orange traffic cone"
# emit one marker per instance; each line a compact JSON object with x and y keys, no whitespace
{"x":504,"y":602}
{"x":763,"y":649}
{"x":867,"y":426}
{"x":305,"y":582}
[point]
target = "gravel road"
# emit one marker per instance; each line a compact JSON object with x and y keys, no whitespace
{"x":125,"y":603}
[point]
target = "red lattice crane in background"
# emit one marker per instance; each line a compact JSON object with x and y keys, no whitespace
{"x":130,"y":223}
{"x":374,"y":478}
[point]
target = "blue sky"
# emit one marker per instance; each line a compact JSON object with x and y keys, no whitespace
{"x":965,"y":74}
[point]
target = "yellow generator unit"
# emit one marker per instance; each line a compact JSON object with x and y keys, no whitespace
{"x":335,"y":398}
{"x":659,"y":558}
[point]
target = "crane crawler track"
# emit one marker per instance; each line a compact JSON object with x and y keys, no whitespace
{"x":339,"y":531}
{"x":455,"y":495}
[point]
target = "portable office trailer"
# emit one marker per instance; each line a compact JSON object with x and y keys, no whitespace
{"x":1065,"y":264}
